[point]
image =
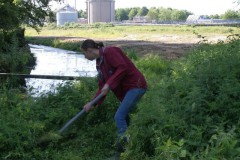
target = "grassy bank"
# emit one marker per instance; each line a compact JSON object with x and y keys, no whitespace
{"x":190,"y":111}
{"x":56,"y":43}
{"x":138,"y":32}
{"x":15,"y":56}
{"x":61,"y":37}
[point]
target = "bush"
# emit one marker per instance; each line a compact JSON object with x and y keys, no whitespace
{"x":191,"y":113}
{"x":15,"y":56}
{"x":24,"y":120}
{"x":55,"y":42}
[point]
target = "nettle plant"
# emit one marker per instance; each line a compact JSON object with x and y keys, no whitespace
{"x":191,"y":112}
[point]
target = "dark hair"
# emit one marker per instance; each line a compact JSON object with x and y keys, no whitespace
{"x":89,"y":43}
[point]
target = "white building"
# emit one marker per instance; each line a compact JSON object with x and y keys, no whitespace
{"x":141,"y":19}
{"x":66,"y":14}
{"x":197,"y":19}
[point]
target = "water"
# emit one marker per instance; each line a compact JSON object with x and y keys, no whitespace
{"x":53,"y":61}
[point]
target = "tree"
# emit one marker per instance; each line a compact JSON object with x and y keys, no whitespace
{"x":121,"y":14}
{"x":13,"y":13}
{"x":165,"y":14}
{"x":142,"y":11}
{"x":82,"y":14}
{"x":51,"y":18}
{"x":133,"y":12}
{"x":153,"y":14}
{"x":231,"y":14}
{"x":178,"y":15}
{"x":8,"y":15}
{"x":215,"y":16}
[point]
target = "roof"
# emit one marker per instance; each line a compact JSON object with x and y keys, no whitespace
{"x":66,"y":7}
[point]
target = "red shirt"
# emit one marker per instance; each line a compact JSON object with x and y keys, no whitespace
{"x":119,"y":73}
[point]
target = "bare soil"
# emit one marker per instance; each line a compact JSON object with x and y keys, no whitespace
{"x":164,"y":49}
{"x":167,"y":46}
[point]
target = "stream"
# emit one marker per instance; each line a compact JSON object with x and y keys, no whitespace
{"x":54,"y":61}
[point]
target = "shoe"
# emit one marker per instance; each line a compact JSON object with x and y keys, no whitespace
{"x":121,"y":144}
{"x":120,"y":147}
{"x":117,"y":155}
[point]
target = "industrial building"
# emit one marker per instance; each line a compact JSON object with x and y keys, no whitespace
{"x":66,"y":14}
{"x":97,"y":11}
{"x":100,"y":10}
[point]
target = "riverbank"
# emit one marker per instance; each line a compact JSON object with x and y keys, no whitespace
{"x":190,"y":111}
{"x":169,"y":42}
{"x":197,"y":92}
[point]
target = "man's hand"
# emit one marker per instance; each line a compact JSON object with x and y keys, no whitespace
{"x":105,"y":89}
{"x":87,"y":107}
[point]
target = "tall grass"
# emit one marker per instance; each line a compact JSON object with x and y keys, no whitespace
{"x":190,"y":111}
{"x":139,"y":31}
{"x":15,"y":57}
{"x":24,"y":120}
{"x":55,"y":42}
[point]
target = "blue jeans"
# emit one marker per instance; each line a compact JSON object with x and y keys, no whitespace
{"x":126,"y":106}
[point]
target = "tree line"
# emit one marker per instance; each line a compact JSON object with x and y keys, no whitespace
{"x":162,"y":14}
{"x":158,"y":14}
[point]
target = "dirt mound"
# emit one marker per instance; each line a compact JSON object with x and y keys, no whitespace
{"x":167,"y":46}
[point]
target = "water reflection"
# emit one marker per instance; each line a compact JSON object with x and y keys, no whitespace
{"x":53,"y":61}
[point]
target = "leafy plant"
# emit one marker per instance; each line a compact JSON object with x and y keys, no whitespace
{"x":195,"y":102}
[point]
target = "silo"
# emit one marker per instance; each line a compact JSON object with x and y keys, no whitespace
{"x":100,"y":10}
{"x":66,"y":14}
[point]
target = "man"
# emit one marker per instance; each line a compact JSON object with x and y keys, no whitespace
{"x":116,"y":72}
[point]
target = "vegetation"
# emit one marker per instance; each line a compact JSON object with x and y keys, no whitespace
{"x":17,"y":12}
{"x":54,"y":42}
{"x":231,"y":14}
{"x":158,"y":14}
{"x":15,"y":54}
{"x":189,"y":112}
{"x":140,"y":32}
{"x":25,"y":120}
{"x":82,"y":14}
{"x":167,"y":14}
{"x":192,"y":111}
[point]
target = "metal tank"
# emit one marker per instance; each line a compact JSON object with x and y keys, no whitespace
{"x":100,"y":10}
{"x":66,"y":14}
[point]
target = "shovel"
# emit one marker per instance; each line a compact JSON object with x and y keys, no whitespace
{"x":56,"y":136}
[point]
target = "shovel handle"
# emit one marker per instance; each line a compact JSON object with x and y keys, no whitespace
{"x":94,"y":101}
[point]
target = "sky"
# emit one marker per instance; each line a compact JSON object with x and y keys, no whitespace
{"x":198,"y":7}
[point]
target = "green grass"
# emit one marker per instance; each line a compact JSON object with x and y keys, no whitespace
{"x":138,"y":31}
{"x":190,"y":111}
{"x":191,"y":104}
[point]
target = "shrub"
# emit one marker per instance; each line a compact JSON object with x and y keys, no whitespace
{"x":24,"y":120}
{"x":192,"y":111}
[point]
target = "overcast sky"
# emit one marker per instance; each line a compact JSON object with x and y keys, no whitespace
{"x":198,"y":7}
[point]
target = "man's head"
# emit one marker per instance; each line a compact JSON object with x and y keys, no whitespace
{"x":91,"y":49}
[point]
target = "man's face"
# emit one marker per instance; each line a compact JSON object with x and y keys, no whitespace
{"x":89,"y":54}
